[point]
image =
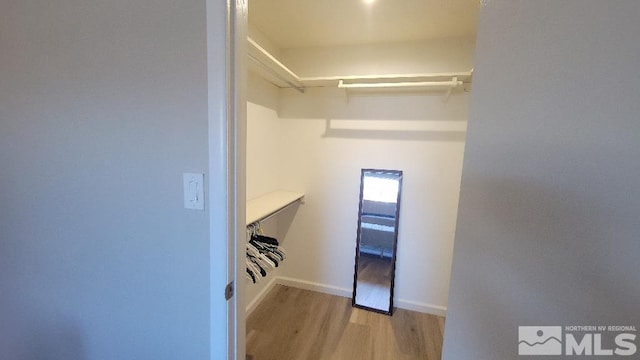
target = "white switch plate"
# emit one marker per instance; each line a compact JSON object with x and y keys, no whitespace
{"x":193,"y":191}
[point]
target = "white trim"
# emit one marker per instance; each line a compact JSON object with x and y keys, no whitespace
{"x":261,"y":295}
{"x":339,"y":291}
{"x":220,"y":187}
{"x":314,"y":286}
{"x":421,"y":307}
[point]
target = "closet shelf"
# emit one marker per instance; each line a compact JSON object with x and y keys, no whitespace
{"x":270,"y":204}
{"x":267,"y":66}
{"x":391,"y":80}
{"x":274,"y":71}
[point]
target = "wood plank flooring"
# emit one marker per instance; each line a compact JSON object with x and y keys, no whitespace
{"x":296,"y":324}
{"x":374,"y":281}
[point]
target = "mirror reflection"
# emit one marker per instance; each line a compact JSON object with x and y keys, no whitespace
{"x":377,"y":239}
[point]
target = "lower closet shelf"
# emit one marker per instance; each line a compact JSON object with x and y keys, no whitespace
{"x":269,"y":204}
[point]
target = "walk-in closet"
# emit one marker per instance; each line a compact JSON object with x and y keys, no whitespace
{"x":334,"y":88}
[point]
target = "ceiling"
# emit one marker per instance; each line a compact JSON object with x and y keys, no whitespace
{"x":312,"y":23}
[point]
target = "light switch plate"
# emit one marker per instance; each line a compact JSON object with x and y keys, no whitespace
{"x":193,"y":191}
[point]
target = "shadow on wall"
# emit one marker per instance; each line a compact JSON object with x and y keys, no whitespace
{"x":392,"y":117}
{"x":59,"y":342}
{"x":328,"y":103}
{"x":45,"y":340}
{"x":527,"y":254}
{"x":285,"y":219}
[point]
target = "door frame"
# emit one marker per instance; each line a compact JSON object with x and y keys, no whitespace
{"x":226,"y":34}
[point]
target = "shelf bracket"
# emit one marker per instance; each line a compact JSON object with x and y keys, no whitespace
{"x":450,"y":90}
{"x":342,"y":86}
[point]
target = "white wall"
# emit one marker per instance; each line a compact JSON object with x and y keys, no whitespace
{"x":103,"y":106}
{"x":433,"y":56}
{"x":326,"y":166}
{"x":263,"y":163}
{"x":263,"y":134}
{"x":548,"y":226}
{"x":258,"y":36}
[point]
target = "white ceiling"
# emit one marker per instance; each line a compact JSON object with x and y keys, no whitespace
{"x":311,"y":23}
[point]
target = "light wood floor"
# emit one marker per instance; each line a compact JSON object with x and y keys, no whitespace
{"x":296,"y":324}
{"x":374,"y":281}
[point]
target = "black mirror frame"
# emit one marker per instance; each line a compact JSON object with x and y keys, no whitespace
{"x":395,"y":241}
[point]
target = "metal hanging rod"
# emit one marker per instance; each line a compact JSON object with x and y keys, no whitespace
{"x":453,"y":83}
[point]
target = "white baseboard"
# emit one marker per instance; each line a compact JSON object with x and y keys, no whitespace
{"x":314,"y":286}
{"x":339,"y":291}
{"x":421,"y":307}
{"x":261,"y":295}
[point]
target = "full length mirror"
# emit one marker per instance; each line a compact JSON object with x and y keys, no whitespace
{"x":376,"y":243}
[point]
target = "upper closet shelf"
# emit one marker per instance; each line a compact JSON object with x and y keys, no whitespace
{"x":277,"y":73}
{"x":432,"y":80}
{"x":267,"y":66}
{"x":267,"y":205}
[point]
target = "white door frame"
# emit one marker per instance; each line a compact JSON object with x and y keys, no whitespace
{"x":226,"y":78}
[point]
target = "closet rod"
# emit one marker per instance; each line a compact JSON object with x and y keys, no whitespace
{"x":275,"y":73}
{"x":390,"y":85}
